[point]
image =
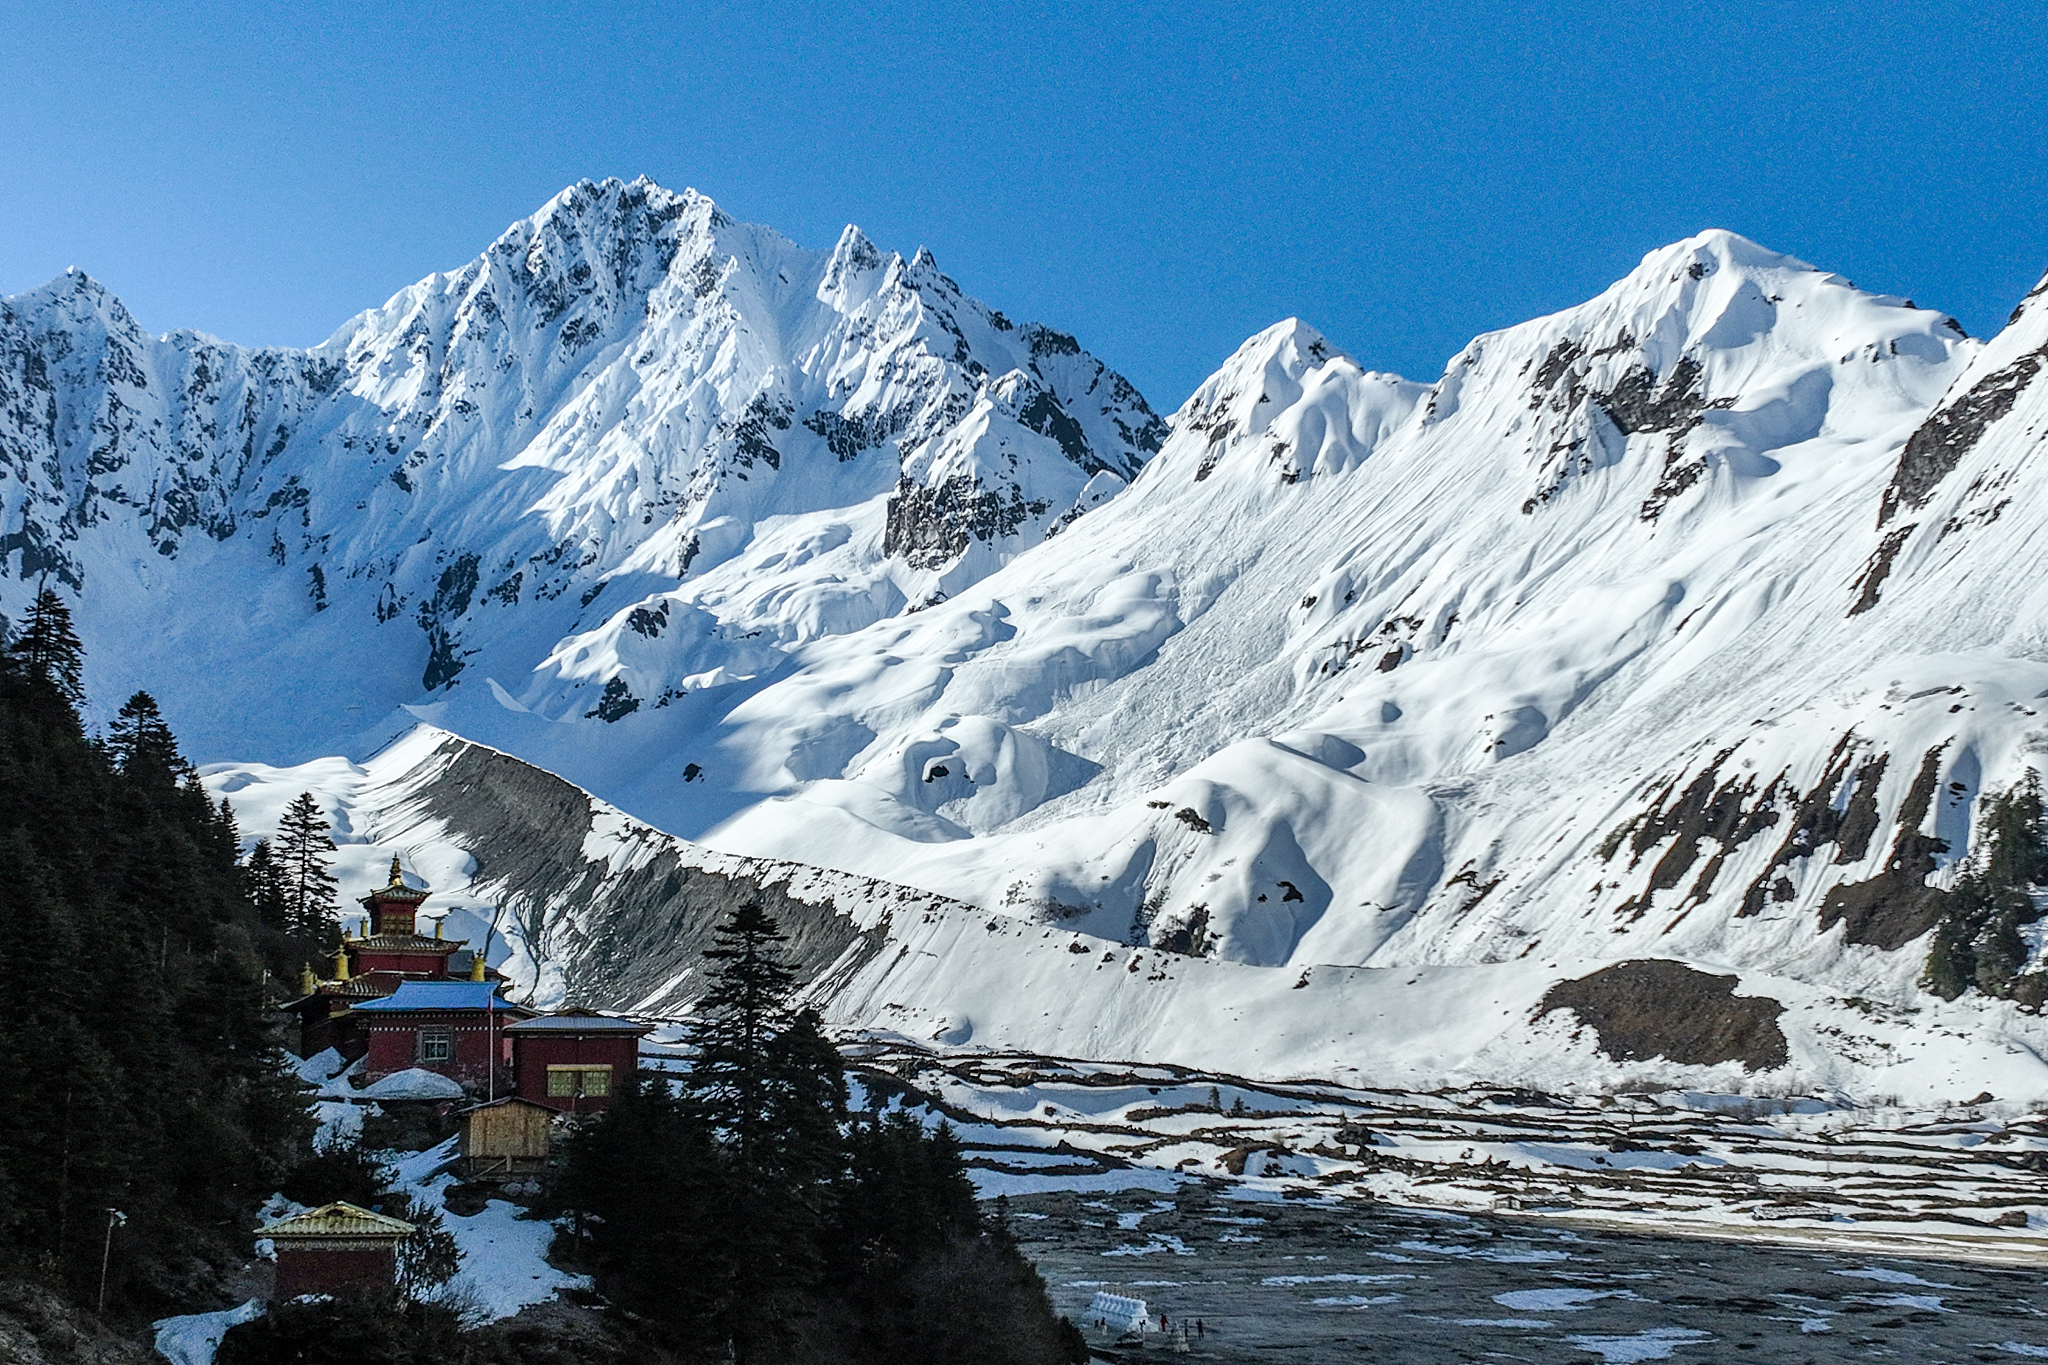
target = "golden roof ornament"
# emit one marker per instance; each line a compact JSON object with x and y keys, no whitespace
{"x":341,"y":964}
{"x":308,"y":983}
{"x":476,"y":967}
{"x":397,"y":878}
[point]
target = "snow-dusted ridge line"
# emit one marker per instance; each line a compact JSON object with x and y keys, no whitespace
{"x":1458,"y":635}
{"x":611,"y":913}
{"x":634,"y":450}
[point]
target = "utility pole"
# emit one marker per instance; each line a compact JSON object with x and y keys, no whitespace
{"x":490,"y":1014}
{"x":115,"y":1218}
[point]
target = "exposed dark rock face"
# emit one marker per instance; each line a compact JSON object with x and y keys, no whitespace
{"x":930,"y":524}
{"x":847,"y":436}
{"x":1896,"y":906}
{"x":1816,"y":823}
{"x":1888,"y":911}
{"x":450,"y":601}
{"x":621,"y":934}
{"x":1730,"y":813}
{"x":617,"y":702}
{"x":1658,"y":1008}
{"x":1638,"y":403}
{"x":751,"y":437}
{"x":1947,"y":435}
{"x":1879,"y":568}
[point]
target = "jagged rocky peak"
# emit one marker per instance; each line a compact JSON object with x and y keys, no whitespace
{"x":1261,"y":377}
{"x":613,"y":400}
{"x":1713,"y":350}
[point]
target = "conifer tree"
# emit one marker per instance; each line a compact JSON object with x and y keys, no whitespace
{"x":265,"y":880}
{"x":1977,"y":941}
{"x":773,"y":1090}
{"x":143,"y":746}
{"x":49,"y":647}
{"x":302,"y":851}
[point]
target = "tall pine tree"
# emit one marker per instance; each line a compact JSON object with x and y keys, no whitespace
{"x":773,"y":1090}
{"x":49,"y":647}
{"x":143,"y":746}
{"x":302,"y":851}
{"x":265,"y":882}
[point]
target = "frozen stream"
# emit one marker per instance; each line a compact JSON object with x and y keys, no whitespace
{"x":1296,"y":1281}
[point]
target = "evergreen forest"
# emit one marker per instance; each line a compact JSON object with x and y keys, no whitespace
{"x":737,"y":1212}
{"x":149,"y":1105}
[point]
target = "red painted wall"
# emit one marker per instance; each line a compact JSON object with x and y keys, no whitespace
{"x":532,"y":1053}
{"x":432,"y":965}
{"x":394,"y":1044}
{"x":319,"y":1270}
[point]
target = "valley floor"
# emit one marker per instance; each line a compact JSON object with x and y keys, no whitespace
{"x":1292,"y":1280}
{"x":1967,"y":1183}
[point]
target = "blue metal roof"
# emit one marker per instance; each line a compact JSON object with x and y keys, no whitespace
{"x":440,"y":995}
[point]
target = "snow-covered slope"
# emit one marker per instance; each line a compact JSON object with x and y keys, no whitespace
{"x":1547,"y":658}
{"x":602,"y":910}
{"x":1692,"y":622}
{"x":634,"y":450}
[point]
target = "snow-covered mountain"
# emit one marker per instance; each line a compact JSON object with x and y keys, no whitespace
{"x":634,"y":450}
{"x":1560,"y":655}
{"x":1693,"y":622}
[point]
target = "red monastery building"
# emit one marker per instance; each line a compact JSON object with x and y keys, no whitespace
{"x":400,"y":1001}
{"x":453,"y":1028}
{"x":574,"y":1059}
{"x":335,"y":1249}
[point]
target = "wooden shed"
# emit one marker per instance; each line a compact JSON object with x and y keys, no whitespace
{"x":506,"y":1138}
{"x":335,"y":1249}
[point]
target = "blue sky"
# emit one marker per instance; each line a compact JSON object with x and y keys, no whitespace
{"x":1160,"y":179}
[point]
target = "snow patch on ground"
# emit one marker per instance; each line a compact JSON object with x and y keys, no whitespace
{"x":193,"y":1338}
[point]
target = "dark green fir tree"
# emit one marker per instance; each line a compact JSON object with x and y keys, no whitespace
{"x":302,"y":852}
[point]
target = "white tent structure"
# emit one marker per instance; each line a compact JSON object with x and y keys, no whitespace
{"x":1123,"y":1314}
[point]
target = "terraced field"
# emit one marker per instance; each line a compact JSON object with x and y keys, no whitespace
{"x":1970,"y":1182}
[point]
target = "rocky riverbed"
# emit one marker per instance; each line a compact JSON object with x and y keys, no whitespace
{"x":1295,"y":1280}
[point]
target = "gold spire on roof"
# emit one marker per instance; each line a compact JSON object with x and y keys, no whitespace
{"x":476,"y":967}
{"x":397,"y":878}
{"x":308,"y":983}
{"x":437,"y":926}
{"x":341,"y":964}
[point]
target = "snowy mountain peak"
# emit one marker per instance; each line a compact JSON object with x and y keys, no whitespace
{"x":1692,"y":621}
{"x":623,"y":393}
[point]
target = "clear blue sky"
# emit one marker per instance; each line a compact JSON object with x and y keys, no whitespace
{"x":1161,"y":179}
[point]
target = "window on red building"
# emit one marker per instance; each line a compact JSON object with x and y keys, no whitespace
{"x":590,"y":1081}
{"x":436,"y":1044}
